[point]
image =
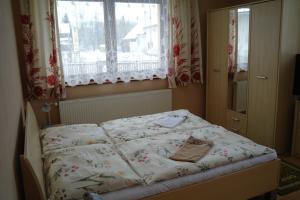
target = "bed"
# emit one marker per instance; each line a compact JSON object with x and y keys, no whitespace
{"x":240,"y":179}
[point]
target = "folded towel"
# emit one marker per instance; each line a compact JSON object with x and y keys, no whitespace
{"x":193,"y":150}
{"x":171,"y":121}
{"x":91,"y":196}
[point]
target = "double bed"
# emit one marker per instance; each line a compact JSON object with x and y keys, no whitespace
{"x":129,"y":159}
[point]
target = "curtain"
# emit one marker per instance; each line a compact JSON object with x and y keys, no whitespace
{"x":79,"y":42}
{"x":44,"y":72}
{"x":113,"y":40}
{"x":184,"y":59}
{"x":232,"y":41}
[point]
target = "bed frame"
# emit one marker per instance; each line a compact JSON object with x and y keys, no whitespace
{"x":241,"y":185}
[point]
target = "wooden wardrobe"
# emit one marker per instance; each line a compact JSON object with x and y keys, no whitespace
{"x":274,"y":41}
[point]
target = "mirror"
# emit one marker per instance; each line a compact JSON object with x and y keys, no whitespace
{"x":238,"y":53}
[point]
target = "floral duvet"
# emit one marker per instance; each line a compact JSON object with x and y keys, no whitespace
{"x":150,"y":156}
{"x":132,"y":151}
{"x":72,"y":171}
{"x":126,"y":129}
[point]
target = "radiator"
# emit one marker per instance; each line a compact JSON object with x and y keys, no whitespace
{"x":100,"y":109}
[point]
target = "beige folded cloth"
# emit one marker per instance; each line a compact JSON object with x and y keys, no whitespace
{"x":193,"y":150}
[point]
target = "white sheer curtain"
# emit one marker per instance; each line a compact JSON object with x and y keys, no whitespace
{"x":243,"y":39}
{"x":112,"y":40}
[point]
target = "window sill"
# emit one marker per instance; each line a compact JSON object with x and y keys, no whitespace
{"x":94,"y":89}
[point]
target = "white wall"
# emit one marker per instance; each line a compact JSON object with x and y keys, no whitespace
{"x":10,"y":105}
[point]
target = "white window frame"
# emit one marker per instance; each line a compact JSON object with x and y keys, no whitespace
{"x":110,"y":31}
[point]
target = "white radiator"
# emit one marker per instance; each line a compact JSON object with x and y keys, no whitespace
{"x":100,"y":109}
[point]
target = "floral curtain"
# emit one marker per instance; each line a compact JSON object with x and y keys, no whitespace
{"x":44,"y":72}
{"x":185,"y":59}
{"x":232,"y":41}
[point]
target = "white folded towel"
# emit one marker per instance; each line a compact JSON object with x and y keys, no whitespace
{"x":171,"y":121}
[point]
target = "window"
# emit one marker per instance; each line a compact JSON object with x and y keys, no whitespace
{"x":110,"y":41}
{"x":243,"y":19}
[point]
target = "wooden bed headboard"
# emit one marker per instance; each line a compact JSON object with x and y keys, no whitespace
{"x":31,"y":162}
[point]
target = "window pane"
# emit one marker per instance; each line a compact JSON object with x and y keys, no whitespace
{"x":138,"y":36}
{"x":243,"y":39}
{"x":82,"y":37}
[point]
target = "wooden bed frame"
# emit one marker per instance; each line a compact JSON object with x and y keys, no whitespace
{"x":241,"y":185}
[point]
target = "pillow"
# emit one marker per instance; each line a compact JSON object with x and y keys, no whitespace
{"x":72,"y":135}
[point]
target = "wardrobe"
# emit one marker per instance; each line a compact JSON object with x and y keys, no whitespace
{"x":251,"y":53}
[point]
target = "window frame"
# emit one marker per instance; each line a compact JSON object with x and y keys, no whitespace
{"x":110,"y":33}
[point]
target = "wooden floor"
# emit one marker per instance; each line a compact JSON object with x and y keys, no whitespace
{"x":290,"y":159}
{"x":294,"y":195}
{"x":291,"y":196}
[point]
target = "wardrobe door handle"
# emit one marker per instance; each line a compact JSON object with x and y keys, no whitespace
{"x":262,"y":77}
{"x":235,"y":119}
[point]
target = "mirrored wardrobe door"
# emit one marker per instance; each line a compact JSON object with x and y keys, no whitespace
{"x":238,"y":53}
{"x":238,"y":67}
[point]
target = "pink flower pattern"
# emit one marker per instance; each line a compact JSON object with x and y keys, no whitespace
{"x":185,"y":65}
{"x":231,"y":49}
{"x":45,"y":80}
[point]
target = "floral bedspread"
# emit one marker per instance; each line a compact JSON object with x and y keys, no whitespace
{"x":72,"y":135}
{"x":150,"y":156}
{"x":132,"y":151}
{"x":126,"y":129}
{"x":72,"y":171}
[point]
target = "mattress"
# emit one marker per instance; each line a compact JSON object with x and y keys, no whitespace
{"x":139,"y":192}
